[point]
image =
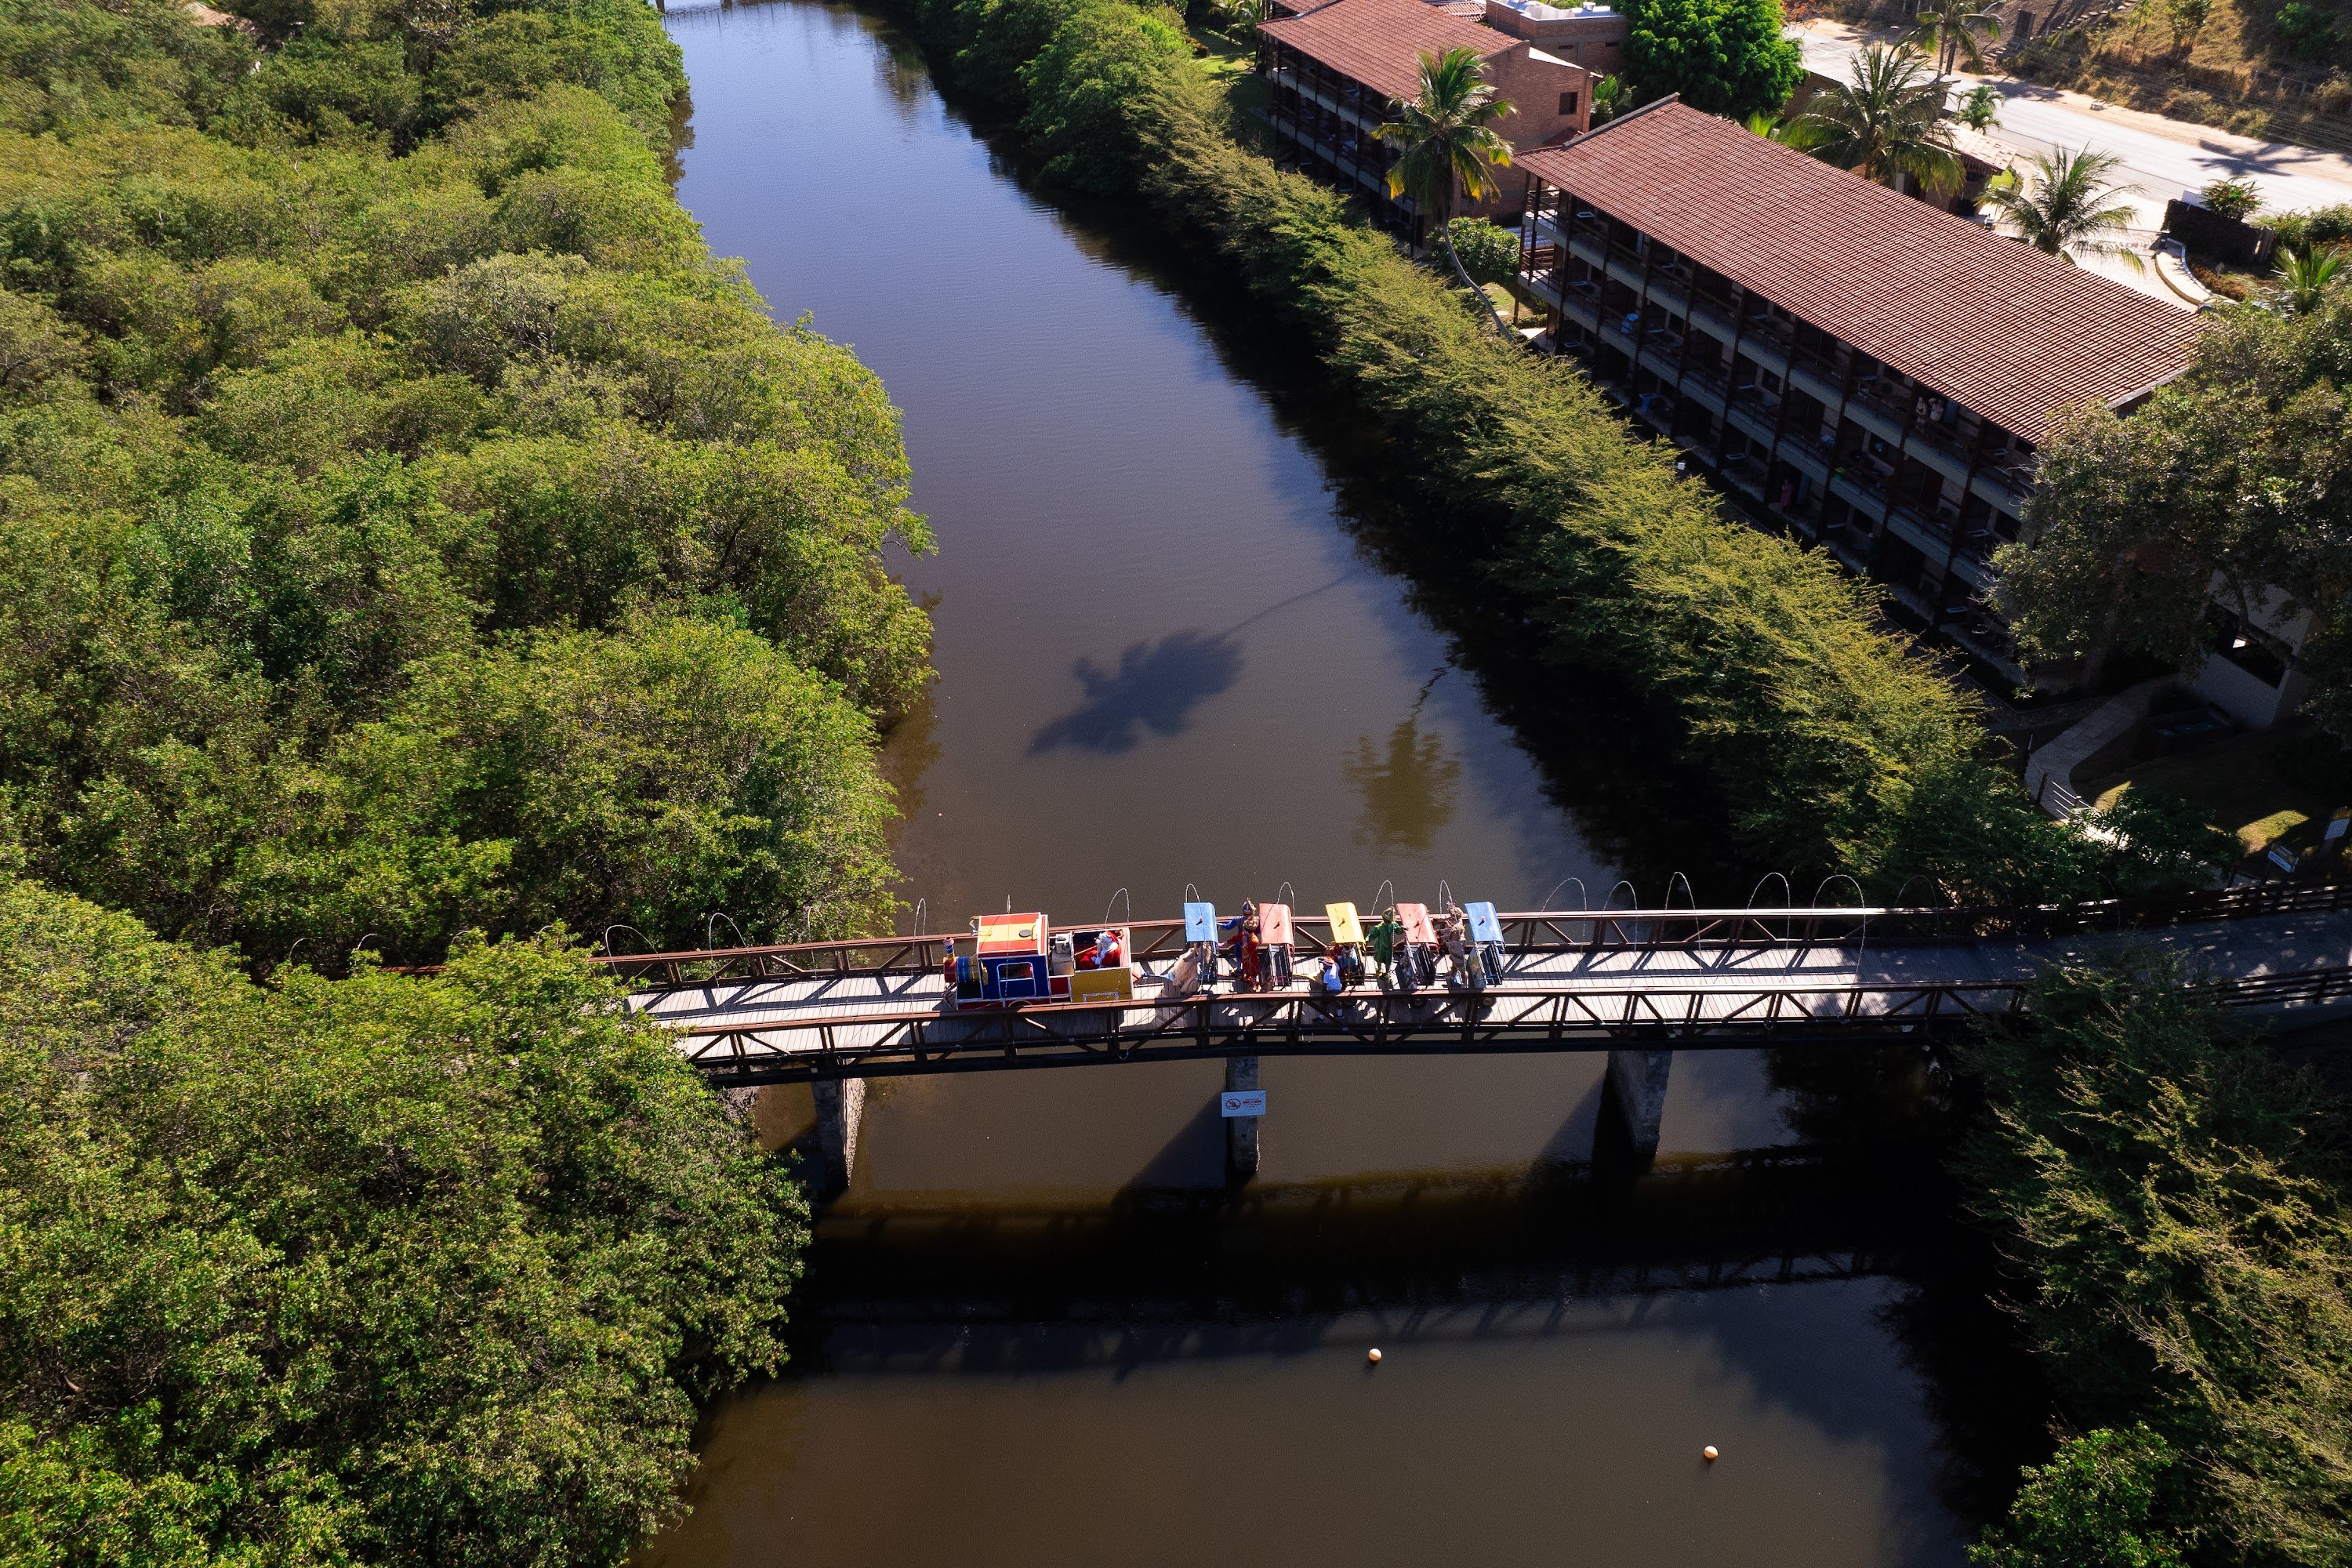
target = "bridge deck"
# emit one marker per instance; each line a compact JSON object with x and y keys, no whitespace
{"x":1550,"y":998}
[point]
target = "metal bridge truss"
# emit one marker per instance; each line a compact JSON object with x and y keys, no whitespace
{"x":1597,"y":930}
{"x":1505,"y":1019}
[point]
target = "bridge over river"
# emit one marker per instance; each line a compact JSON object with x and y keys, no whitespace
{"x":1639,"y":985}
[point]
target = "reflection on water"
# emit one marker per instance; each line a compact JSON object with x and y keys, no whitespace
{"x":1407,"y":786}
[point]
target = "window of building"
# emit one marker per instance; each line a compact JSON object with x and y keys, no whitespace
{"x":2256,"y":652}
{"x":1568,"y":104}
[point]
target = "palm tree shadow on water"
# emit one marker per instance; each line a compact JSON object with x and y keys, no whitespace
{"x":1155,"y":688}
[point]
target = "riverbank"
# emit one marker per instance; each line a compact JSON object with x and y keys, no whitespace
{"x":1825,"y":743}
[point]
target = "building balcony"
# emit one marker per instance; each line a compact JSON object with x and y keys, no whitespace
{"x":1811,"y":457}
{"x":1750,"y":421}
{"x":1810,"y":376}
{"x":1847,"y":484}
{"x":1906,"y":523}
{"x":1708,"y":386}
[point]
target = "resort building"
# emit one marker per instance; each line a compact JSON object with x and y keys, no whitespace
{"x":1336,"y":70}
{"x":1867,"y":369}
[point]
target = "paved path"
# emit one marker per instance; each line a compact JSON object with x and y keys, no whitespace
{"x":2164,"y":158}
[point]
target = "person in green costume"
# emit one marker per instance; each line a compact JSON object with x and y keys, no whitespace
{"x":1384,"y":940}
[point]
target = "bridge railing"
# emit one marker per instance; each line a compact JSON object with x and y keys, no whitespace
{"x":1505,"y":1019}
{"x":1557,"y":930}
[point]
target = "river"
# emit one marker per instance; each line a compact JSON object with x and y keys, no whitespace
{"x":1039,"y":1330}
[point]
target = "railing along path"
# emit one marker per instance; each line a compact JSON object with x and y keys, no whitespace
{"x":1555,"y":931}
{"x":1680,"y":979}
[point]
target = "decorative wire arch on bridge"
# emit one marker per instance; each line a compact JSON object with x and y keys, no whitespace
{"x":1606,"y":979}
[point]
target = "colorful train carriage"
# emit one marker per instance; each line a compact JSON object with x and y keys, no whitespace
{"x":1011,"y":960}
{"x":1264,"y":947}
{"x":1414,"y":960}
{"x":1347,"y":941}
{"x":1102,"y":968}
{"x":1006,"y":961}
{"x":1487,"y":938}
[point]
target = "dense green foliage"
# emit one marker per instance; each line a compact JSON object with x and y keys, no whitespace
{"x":2240,"y":470}
{"x":405,"y":525}
{"x":2093,"y":1506}
{"x":2176,"y":1203}
{"x":1488,"y":251}
{"x":384,"y":1269}
{"x":1727,"y":57}
{"x":1832,"y":746}
{"x":2303,"y":231}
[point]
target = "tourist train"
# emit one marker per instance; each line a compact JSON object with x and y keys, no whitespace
{"x":1020,"y":960}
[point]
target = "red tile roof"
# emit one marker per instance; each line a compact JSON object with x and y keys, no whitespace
{"x":1994,"y":324}
{"x":1379,"y":42}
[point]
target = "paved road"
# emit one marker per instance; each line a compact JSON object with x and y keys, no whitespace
{"x":2164,"y":158}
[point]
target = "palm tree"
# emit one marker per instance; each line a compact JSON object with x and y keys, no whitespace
{"x":1884,"y":125}
{"x":2304,"y":280}
{"x":1956,"y":35}
{"x":1981,"y":109}
{"x":2066,"y":208}
{"x":1447,"y":136}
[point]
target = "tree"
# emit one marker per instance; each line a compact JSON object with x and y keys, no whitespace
{"x":2094,"y":1505}
{"x":1445,"y":135}
{"x":2172,"y":1195}
{"x":1956,"y":36}
{"x":395,"y":1269}
{"x":1981,"y":109}
{"x":2307,"y":278}
{"x":1487,"y":251}
{"x":1886,"y":124}
{"x":456,"y":404}
{"x":1726,"y":57}
{"x":2241,"y":469}
{"x":2187,"y":18}
{"x":2066,"y":207}
{"x":1611,"y":98}
{"x":2235,"y":199}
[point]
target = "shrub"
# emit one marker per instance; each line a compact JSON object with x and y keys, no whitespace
{"x":2304,"y":29}
{"x":1488,"y":252}
{"x":2236,"y":199}
{"x":2300,"y":232}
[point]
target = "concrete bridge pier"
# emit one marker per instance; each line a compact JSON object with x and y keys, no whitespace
{"x":840,"y":1107}
{"x":1637,"y":1083}
{"x":1240,"y":1131}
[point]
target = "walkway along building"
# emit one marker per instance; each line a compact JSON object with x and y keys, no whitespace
{"x":1869,"y":370}
{"x":1335,"y":71}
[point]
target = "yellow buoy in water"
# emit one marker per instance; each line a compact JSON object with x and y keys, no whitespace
{"x":1373,"y":1354}
{"x":1709,"y":1452}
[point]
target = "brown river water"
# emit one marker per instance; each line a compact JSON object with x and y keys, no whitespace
{"x":1038,"y":1330}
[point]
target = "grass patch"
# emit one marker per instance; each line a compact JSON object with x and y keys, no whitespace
{"x":2263,"y":787}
